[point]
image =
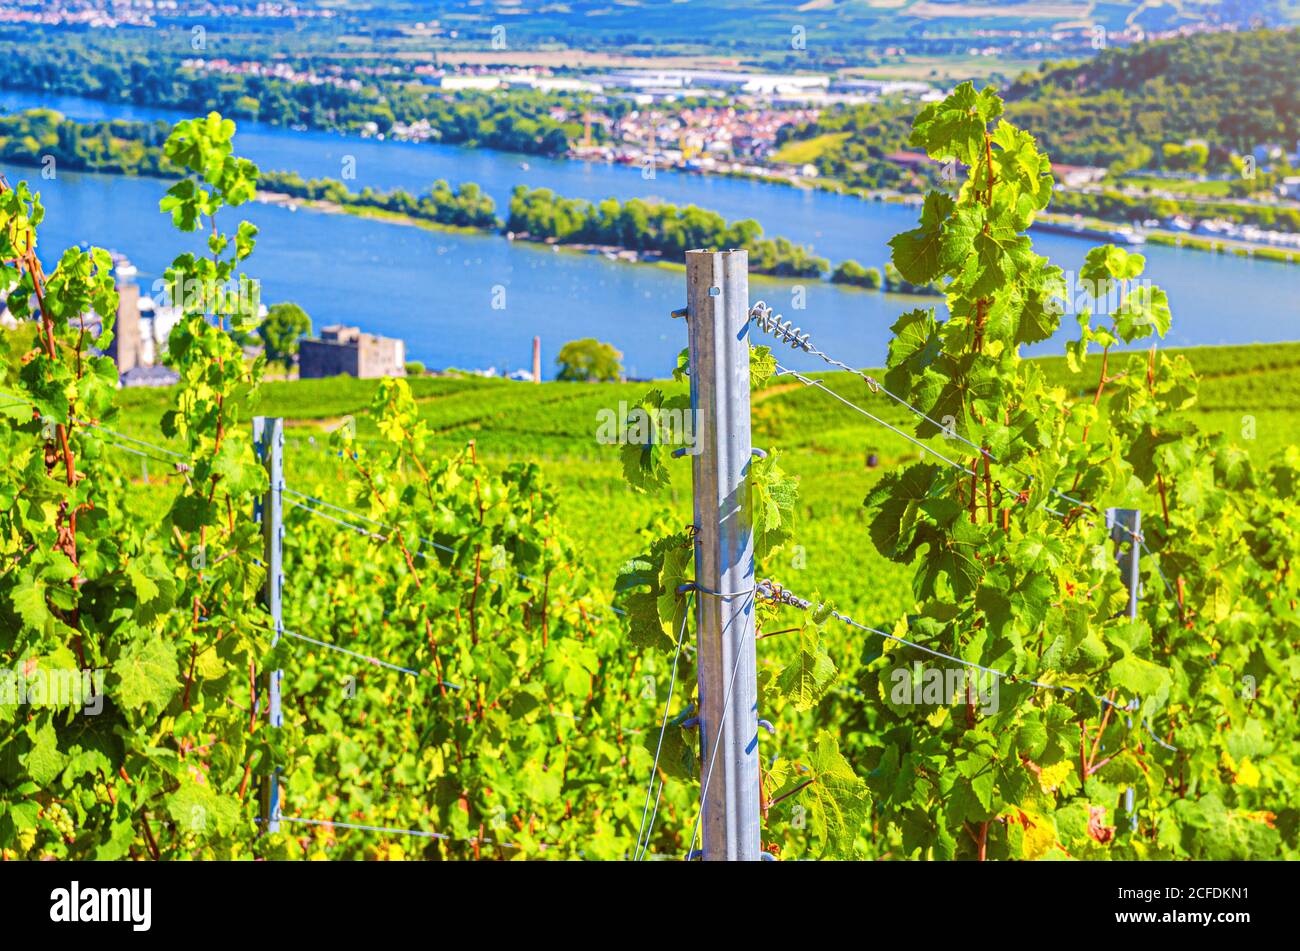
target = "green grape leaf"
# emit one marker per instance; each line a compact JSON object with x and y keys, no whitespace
{"x":28,"y":600}
{"x":1145,"y":310}
{"x":807,"y":677}
{"x":762,"y":365}
{"x":838,"y":801}
{"x":146,"y":674}
{"x":199,"y":810}
{"x":44,"y":761}
{"x":918,"y":254}
{"x":956,"y":126}
{"x":773,"y":496}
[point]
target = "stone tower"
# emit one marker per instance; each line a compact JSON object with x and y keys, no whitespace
{"x":125,"y":348}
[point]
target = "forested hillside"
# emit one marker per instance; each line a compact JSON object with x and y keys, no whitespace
{"x":517,"y":122}
{"x":1132,"y":107}
{"x":1234,"y":90}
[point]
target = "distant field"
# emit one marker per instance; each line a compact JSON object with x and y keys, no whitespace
{"x":943,"y":68}
{"x":824,"y":444}
{"x":580,"y":59}
{"x":1028,"y":11}
{"x":799,"y":151}
{"x":1210,"y":189}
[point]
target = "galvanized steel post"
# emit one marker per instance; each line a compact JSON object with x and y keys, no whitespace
{"x":268,"y":439}
{"x":718,"y":317}
{"x":1126,"y":525}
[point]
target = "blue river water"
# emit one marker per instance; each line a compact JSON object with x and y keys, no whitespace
{"x":476,"y":301}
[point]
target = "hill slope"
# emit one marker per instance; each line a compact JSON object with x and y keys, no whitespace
{"x":1235,"y":90}
{"x":1121,"y":108}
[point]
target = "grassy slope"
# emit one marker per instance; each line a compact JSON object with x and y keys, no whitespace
{"x":822,"y":442}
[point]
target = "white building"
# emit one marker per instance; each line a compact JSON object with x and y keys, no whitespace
{"x":703,"y":80}
{"x":156,"y":323}
{"x":477,"y":83}
{"x":551,"y":83}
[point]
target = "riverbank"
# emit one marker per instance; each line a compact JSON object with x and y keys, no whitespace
{"x":1094,"y":228}
{"x":293,"y":203}
{"x":1098,"y":229}
{"x":1091,"y":227}
{"x":1061,"y":224}
{"x":614,"y":253}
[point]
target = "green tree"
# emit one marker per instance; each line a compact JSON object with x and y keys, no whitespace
{"x":851,"y":272}
{"x":284,"y":325}
{"x":589,"y":361}
{"x":1190,"y":157}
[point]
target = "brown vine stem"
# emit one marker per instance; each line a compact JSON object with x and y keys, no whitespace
{"x":988,"y":487}
{"x":784,"y":796}
{"x":148,"y":836}
{"x":1096,"y":397}
{"x":1092,"y":769}
{"x":252,"y":697}
{"x":189,"y":679}
{"x":424,"y":473}
{"x":982,"y":305}
{"x":66,"y":529}
{"x":81,"y":342}
{"x":397,"y":532}
{"x":974,"y":490}
{"x":243,"y":783}
{"x":1096,"y":400}
{"x":981,"y":317}
{"x":51,"y":351}
{"x":988,"y":158}
{"x":1096,"y":743}
{"x":433,"y":649}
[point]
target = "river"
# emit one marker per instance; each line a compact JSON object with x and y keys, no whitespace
{"x":437,"y":290}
